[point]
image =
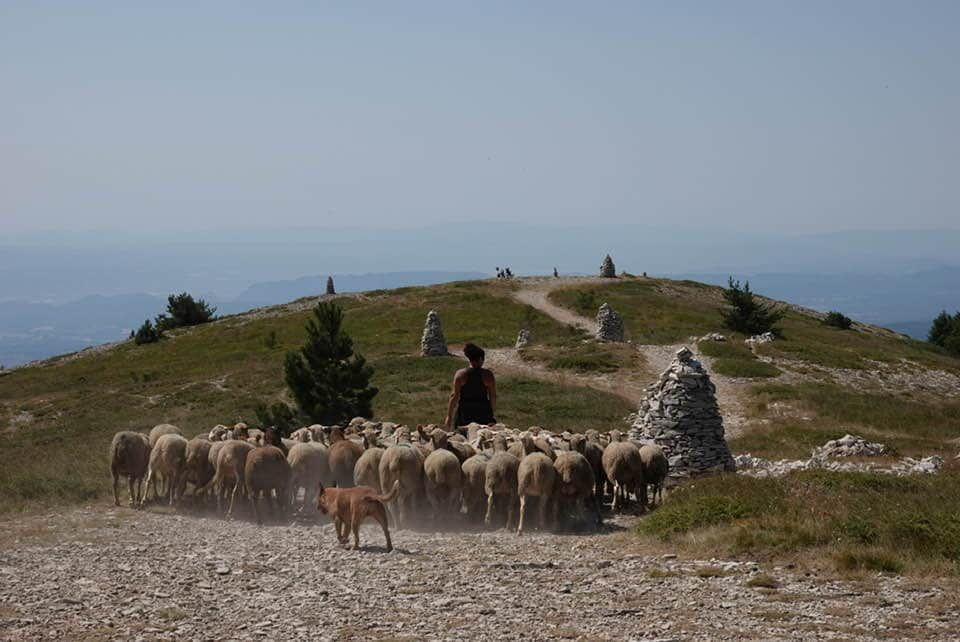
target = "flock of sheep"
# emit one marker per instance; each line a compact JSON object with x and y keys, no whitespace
{"x":478,"y":476}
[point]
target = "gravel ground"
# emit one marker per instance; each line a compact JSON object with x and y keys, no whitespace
{"x":104,"y":573}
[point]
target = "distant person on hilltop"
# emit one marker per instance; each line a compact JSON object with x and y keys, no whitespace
{"x":474,"y":396}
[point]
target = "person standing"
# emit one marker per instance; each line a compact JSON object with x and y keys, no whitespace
{"x":474,"y":395}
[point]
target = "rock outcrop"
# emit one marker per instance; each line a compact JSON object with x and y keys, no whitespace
{"x":523,"y":339}
{"x":433,"y":343}
{"x":609,"y":324}
{"x":607,"y":268}
{"x":680,"y":414}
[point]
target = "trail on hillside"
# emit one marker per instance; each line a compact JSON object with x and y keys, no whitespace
{"x":535,"y":292}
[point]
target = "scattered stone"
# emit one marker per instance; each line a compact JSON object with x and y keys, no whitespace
{"x":523,"y":339}
{"x":758,"y":339}
{"x":607,"y":269}
{"x":433,"y":343}
{"x":680,"y":414}
{"x":330,"y":289}
{"x":850,"y":446}
{"x":609,"y":324}
{"x":713,"y":336}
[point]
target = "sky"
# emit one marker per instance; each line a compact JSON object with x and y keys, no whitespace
{"x":786,"y":117}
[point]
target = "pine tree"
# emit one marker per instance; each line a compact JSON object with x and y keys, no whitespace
{"x":746,"y":314}
{"x":941,"y":328}
{"x":328,"y":381}
{"x":147,"y":333}
{"x":183,"y":310}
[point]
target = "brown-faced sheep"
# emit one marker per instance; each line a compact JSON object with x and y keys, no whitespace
{"x":162,"y":429}
{"x":343,"y":455}
{"x":575,"y":483}
{"x":442,"y":481}
{"x":267,"y":471}
{"x":366,"y":472}
{"x":231,"y":464}
{"x":308,"y":468}
{"x":129,"y":457}
{"x":536,"y":477}
{"x":655,"y":469}
{"x":167,"y":460}
{"x":403,"y":462}
{"x":198,"y":470}
{"x":624,"y":469}
{"x":474,"y":491}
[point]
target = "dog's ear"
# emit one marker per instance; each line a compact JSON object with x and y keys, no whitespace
{"x":320,"y":488}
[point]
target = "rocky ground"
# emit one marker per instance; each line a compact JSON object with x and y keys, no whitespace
{"x":105,"y":573}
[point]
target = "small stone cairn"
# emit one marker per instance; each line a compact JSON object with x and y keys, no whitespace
{"x":523,"y":339}
{"x":609,"y":325}
{"x":330,"y":289}
{"x":433,"y":343}
{"x":607,"y":269}
{"x":680,"y":414}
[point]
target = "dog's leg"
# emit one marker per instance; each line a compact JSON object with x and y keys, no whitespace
{"x":356,"y":531}
{"x":381,"y":516}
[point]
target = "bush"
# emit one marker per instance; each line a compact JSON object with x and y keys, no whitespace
{"x":183,"y":311}
{"x":744,"y":313}
{"x":329,"y":382}
{"x":945,"y":332}
{"x":147,"y":333}
{"x":836,"y":319}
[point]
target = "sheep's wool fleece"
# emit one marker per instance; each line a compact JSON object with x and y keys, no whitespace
{"x":680,"y":414}
{"x":433,"y":343}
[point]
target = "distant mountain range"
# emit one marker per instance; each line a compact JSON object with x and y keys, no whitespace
{"x":32,"y":331}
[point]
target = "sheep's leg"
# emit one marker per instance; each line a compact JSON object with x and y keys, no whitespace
{"x":150,"y":480}
{"x":253,"y":504}
{"x":511,"y":507}
{"x":523,"y":512}
{"x":544,"y":502}
{"x":130,"y":485}
{"x":486,"y":519}
{"x":616,"y":496}
{"x":116,"y":492}
{"x":233,"y":496}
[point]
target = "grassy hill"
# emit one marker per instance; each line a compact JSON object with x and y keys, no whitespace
{"x":812,"y":384}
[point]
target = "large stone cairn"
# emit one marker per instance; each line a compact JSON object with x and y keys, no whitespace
{"x":607,"y":268}
{"x":433,"y":343}
{"x":609,"y":324}
{"x":523,"y":339}
{"x":330,"y":289}
{"x":680,"y":414}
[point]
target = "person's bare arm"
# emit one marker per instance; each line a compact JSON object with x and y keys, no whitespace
{"x":458,"y":381}
{"x":491,"y":383}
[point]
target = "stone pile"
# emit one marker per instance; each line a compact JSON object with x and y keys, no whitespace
{"x":766,"y":337}
{"x":330,"y":289}
{"x":850,"y":446}
{"x":609,"y":324}
{"x":713,"y":336}
{"x":607,"y":269}
{"x":523,"y":339}
{"x":433,"y":343}
{"x":760,"y":467}
{"x":680,"y":414}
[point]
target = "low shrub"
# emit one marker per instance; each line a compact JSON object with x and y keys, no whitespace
{"x":836,"y":319}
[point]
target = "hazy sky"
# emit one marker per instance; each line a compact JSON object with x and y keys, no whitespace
{"x":793,"y":116}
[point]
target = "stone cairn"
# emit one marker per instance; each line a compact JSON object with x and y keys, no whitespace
{"x":609,"y":325}
{"x":607,"y":268}
{"x":330,"y":289}
{"x":433,"y":343}
{"x":523,"y":339}
{"x":680,"y":414}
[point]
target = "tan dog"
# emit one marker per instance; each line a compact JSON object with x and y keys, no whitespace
{"x":348,"y":507}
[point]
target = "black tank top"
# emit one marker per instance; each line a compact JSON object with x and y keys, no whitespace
{"x":474,"y":400}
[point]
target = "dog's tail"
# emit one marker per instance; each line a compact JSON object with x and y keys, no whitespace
{"x":389,"y":497}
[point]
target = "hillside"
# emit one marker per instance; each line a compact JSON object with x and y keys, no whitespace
{"x":779,"y":400}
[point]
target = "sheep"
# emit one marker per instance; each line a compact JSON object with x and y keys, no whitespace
{"x":366,"y":472}
{"x":343,"y":455}
{"x":575,"y":482}
{"x":167,"y":459}
{"x":302,"y":435}
{"x":162,"y":429}
{"x":402,"y":462}
{"x":231,"y":463}
{"x":130,"y":457}
{"x":267,"y":471}
{"x":197,"y":469}
{"x":500,"y":479}
{"x":473,"y":488}
{"x":219,"y":433}
{"x":624,"y":469}
{"x":536,"y":477}
{"x":308,"y":467}
{"x":590,"y":449}
{"x":442,"y":481}
{"x":655,"y":469}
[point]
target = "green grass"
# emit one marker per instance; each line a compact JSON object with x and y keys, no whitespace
{"x":858,"y":520}
{"x":734,"y":359}
{"x":214,"y":373}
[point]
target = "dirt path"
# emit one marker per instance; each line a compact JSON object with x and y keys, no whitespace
{"x":536,"y":291}
{"x":104,"y":573}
